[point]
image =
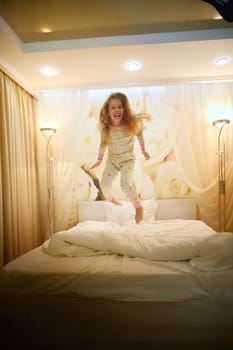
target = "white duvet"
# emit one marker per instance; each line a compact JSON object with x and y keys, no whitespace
{"x":164,"y":240}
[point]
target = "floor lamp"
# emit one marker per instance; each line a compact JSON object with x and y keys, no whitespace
{"x":48,"y":134}
{"x":220,"y":123}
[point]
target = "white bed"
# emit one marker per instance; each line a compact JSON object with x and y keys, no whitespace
{"x":99,"y":295}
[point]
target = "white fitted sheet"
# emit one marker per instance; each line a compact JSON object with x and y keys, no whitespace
{"x":111,"y":277}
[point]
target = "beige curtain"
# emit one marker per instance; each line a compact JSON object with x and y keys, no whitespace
{"x":20,"y":228}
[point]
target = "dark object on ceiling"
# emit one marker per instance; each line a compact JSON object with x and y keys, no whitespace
{"x":224,"y":7}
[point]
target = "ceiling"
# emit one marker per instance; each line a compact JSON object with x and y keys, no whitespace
{"x":90,"y":41}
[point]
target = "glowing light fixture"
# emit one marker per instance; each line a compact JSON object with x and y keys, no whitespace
{"x":133,"y":66}
{"x":49,"y":71}
{"x":46,"y":30}
{"x":48,"y":131}
{"x":221,"y":61}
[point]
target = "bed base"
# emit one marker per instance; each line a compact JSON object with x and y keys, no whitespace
{"x":38,"y":322}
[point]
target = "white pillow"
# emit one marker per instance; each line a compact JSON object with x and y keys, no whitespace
{"x":120,"y":214}
{"x":125,"y":214}
{"x":149,"y":209}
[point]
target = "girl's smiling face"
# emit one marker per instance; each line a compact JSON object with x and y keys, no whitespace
{"x":116,"y":111}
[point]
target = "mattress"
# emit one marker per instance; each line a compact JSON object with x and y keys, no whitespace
{"x":112,"y":277}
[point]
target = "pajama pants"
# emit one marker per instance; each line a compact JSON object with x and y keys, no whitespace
{"x":126,"y":169}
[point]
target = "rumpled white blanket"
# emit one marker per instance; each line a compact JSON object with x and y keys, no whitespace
{"x":163,"y":240}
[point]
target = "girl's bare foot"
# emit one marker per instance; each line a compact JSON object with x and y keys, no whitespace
{"x":139,"y":214}
{"x":114,"y":201}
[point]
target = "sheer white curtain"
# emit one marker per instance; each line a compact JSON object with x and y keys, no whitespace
{"x":180,"y":139}
{"x":187,"y":108}
{"x":200,"y":167}
{"x":64,"y":109}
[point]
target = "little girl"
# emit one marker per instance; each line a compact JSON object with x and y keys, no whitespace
{"x":118,"y":126}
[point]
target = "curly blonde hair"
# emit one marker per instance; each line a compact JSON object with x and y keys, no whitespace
{"x":133,"y":122}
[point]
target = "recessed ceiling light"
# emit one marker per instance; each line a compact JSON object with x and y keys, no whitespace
{"x":49,"y":71}
{"x":46,"y":30}
{"x":133,"y":66}
{"x":222,"y":60}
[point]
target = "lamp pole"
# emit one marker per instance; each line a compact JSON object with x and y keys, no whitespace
{"x":48,"y":134}
{"x":220,"y":123}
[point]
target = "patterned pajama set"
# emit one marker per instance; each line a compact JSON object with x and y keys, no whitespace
{"x":121,"y":159}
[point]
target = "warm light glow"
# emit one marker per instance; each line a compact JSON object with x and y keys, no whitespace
{"x":48,"y":131}
{"x":49,"y":71}
{"x":220,"y":122}
{"x":48,"y":125}
{"x":219,"y":112}
{"x":133,"y":66}
{"x":46,"y":30}
{"x":220,"y":61}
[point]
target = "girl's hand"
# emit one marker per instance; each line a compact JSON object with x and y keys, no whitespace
{"x":96,"y":164}
{"x":146,"y":155}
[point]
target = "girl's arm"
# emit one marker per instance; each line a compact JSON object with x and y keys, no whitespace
{"x":101,"y":151}
{"x":142,"y":146}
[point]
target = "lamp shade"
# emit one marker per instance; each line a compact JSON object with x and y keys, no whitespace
{"x":48,"y":131}
{"x":220,"y":122}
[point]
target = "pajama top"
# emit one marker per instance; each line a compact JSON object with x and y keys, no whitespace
{"x":120,"y":144}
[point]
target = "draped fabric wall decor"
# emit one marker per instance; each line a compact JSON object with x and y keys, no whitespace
{"x":20,"y":218}
{"x":180,"y":139}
